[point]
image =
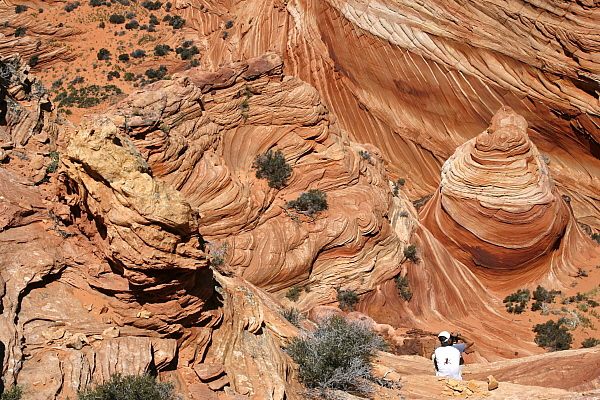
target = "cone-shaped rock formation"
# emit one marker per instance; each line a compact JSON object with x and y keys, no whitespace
{"x":498,"y":210}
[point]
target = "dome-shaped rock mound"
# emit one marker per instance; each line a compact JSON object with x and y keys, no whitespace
{"x":498,"y":210}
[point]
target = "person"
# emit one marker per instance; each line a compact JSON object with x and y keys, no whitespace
{"x":447,"y":358}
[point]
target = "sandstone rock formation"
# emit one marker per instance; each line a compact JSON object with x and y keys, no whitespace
{"x":498,"y":210}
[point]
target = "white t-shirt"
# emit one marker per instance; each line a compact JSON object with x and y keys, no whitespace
{"x":448,"y":361}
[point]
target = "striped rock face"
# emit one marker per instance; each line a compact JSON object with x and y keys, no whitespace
{"x":497,"y":207}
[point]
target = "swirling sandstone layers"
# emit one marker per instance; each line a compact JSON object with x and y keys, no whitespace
{"x":498,"y":210}
{"x":200,"y":133}
{"x":431,"y":75}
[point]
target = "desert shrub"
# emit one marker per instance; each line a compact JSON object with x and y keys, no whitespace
{"x":293,"y":316}
{"x":553,"y":336}
{"x":139,"y":53}
{"x":403,"y":286}
{"x":124,"y":57}
{"x":162,"y":50}
{"x":337,"y":355}
{"x":294,"y":293}
{"x":14,"y":393}
{"x":98,"y":3}
{"x":33,"y":60}
{"x":187,"y":52}
{"x":590,"y":342}
{"x":85,"y":97}
{"x":225,"y":35}
{"x":396,"y":188}
{"x":516,"y":302}
{"x":309,"y":203}
{"x":229,"y":24}
{"x":412,"y":253}
{"x":151,"y":5}
{"x":113,"y":74}
{"x":153,"y":20}
{"x":192,"y":64}
{"x":129,"y":388}
{"x":544,"y":295}
{"x":581,"y":273}
{"x":347,"y":299}
{"x":575,"y":299}
{"x":128,"y":76}
{"x":177,"y":22}
{"x":116,"y":19}
{"x":54,"y":156}
{"x":273,"y":167}
{"x":422,"y":201}
{"x":103,"y":54}
{"x":71,"y":6}
{"x":168,"y":6}
{"x":133,"y":24}
{"x":57,"y":83}
{"x":20,"y":9}
{"x":595,"y":237}
{"x":167,"y":18}
{"x":20,"y":31}
{"x":365,"y":154}
{"x":156,"y":74}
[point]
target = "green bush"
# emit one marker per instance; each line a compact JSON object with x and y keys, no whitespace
{"x":411,"y":253}
{"x":229,"y":24}
{"x":128,"y":76}
{"x":33,"y":60}
{"x":85,"y":97}
{"x":294,"y":293}
{"x":273,"y":167}
{"x":156,"y":74}
{"x":133,"y":24}
{"x":553,"y":336}
{"x":161,"y":50}
{"x":187,"y":52}
{"x":590,"y":342}
{"x":14,"y":393}
{"x":55,"y":156}
{"x":151,"y":5}
{"x":338,"y":355}
{"x":516,"y":302}
{"x":124,"y":57}
{"x":20,"y":9}
{"x":177,"y":22}
{"x":403,"y":286}
{"x":293,"y":316}
{"x":116,"y":19}
{"x":103,"y":54}
{"x":20,"y":31}
{"x":309,"y":203}
{"x":139,"y":53}
{"x":130,"y":387}
{"x":347,"y":299}
{"x":544,"y":295}
{"x":595,"y":237}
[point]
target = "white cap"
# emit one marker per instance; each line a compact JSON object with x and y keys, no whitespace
{"x":445,"y":335}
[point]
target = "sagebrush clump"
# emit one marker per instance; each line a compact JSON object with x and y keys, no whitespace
{"x":553,"y":336}
{"x":516,"y":302}
{"x":338,"y":355}
{"x":347,"y":299}
{"x":412,"y":253}
{"x":309,"y":203}
{"x":129,"y":388}
{"x":273,"y":167}
{"x":403,"y":286}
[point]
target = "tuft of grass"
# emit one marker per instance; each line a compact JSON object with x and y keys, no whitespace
{"x":294,"y":293}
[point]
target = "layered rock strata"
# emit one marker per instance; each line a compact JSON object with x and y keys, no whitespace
{"x":498,"y":210}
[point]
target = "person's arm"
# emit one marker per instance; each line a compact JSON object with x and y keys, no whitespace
{"x":468,"y":342}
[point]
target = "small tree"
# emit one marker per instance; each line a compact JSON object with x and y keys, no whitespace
{"x":553,"y":336}
{"x":129,"y":388}
{"x":338,"y":355}
{"x":309,"y":203}
{"x":272,"y":166}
